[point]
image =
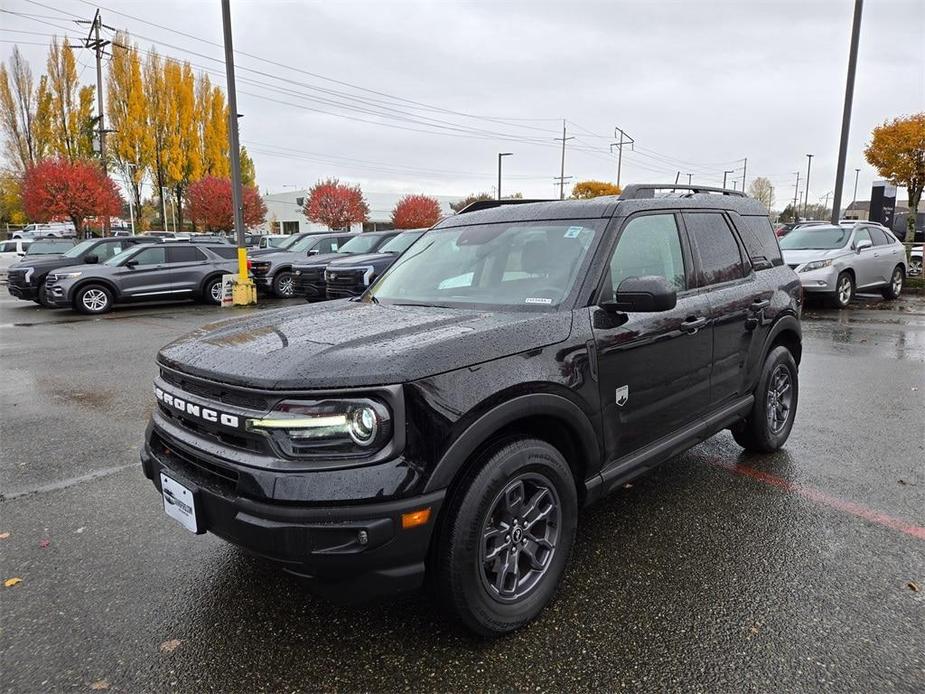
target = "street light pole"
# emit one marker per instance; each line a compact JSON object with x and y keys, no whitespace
{"x":726,"y":173}
{"x":244,"y":290}
{"x":854,"y":198}
{"x":809,"y":164}
{"x":846,"y":114}
{"x":501,"y":154}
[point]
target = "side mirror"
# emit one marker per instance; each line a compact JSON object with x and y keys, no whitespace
{"x":648,"y":294}
{"x":130,"y":264}
{"x":862,"y":244}
{"x":92,"y":259}
{"x":314,"y":251}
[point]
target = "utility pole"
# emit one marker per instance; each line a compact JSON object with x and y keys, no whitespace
{"x":619,"y":145}
{"x":501,"y":154}
{"x":726,"y":173}
{"x":796,"y":196}
{"x":244,"y":290}
{"x":164,"y":208}
{"x":744,"y":170}
{"x":846,"y":114}
{"x":562,"y":176}
{"x":689,"y":179}
{"x":854,"y":198}
{"x":809,"y":164}
{"x":98,"y":45}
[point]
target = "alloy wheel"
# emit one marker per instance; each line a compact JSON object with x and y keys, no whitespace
{"x":94,"y":299}
{"x":897,"y":281}
{"x":779,"y":398}
{"x":844,"y":291}
{"x":519,"y":537}
{"x":286,"y":287}
{"x":215,"y":291}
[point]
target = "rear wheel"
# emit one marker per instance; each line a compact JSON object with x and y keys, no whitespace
{"x":283,"y":285}
{"x":92,"y":299}
{"x":212,"y":292}
{"x":915,"y":265}
{"x":771,"y":418}
{"x":895,"y":287}
{"x":844,"y":290}
{"x":508,"y":534}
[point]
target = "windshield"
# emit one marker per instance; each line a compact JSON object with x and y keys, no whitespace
{"x":522,"y":264}
{"x":364,"y":243}
{"x":304,"y":244}
{"x":281,"y":242}
{"x":816,"y":238}
{"x":48,"y":247}
{"x":79,"y":248}
{"x":400,"y":243}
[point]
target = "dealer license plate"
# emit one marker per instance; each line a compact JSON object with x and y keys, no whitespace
{"x":179,"y":503}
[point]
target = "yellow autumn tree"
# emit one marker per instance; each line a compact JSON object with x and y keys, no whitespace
{"x":71,"y":106}
{"x":212,"y":125}
{"x":897,"y":151}
{"x":24,"y":113}
{"x":132,"y":141}
{"x":153,"y":76}
{"x":248,"y":173}
{"x":182,"y":164}
{"x":584,"y":190}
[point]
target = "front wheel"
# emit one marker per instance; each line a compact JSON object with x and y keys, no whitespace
{"x":212,"y":292}
{"x":507,"y":537}
{"x":844,"y":290}
{"x":895,"y":287}
{"x":93,"y":299}
{"x":283,"y":285}
{"x":771,"y":418}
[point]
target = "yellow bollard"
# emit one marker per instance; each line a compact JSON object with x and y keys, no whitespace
{"x":244,"y":291}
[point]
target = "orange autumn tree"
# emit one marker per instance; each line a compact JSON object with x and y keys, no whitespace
{"x":897,"y":151}
{"x":416,"y":212}
{"x":335,"y":204}
{"x":584,"y":190}
{"x":209,"y":204}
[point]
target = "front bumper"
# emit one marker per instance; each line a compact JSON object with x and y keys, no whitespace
{"x":311,"y":286}
{"x":349,"y":551}
{"x":56,"y":295}
{"x":21,"y":290}
{"x":819,"y":281}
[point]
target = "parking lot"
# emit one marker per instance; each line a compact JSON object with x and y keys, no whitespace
{"x":721,"y":572}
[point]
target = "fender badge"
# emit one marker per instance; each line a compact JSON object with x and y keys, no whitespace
{"x":623,"y":394}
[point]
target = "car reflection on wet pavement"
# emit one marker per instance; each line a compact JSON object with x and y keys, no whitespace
{"x":720,"y":571}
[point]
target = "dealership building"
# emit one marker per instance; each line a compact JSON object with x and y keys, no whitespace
{"x":285,"y":216}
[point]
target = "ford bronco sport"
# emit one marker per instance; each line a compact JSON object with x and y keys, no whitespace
{"x":517,"y":362}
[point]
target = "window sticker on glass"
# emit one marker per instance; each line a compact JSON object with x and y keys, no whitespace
{"x":537,"y":300}
{"x":573,"y":232}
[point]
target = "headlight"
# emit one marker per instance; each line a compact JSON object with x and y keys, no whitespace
{"x":327,"y":427}
{"x":66,"y":275}
{"x":816,"y":265}
{"x":28,"y":274}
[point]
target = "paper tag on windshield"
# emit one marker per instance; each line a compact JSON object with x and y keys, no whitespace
{"x":573,"y":232}
{"x":537,"y":300}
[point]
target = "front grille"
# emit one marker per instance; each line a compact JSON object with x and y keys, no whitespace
{"x":348,"y":278}
{"x":260,"y":268}
{"x":253,"y":443}
{"x":215,"y":391}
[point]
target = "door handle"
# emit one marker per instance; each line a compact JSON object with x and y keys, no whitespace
{"x":760,"y":304}
{"x":693,"y":323}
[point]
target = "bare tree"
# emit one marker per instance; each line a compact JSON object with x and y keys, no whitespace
{"x":18,"y":105}
{"x":762,"y":190}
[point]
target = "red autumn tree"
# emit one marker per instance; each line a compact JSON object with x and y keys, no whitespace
{"x":335,"y":204}
{"x":74,"y":190}
{"x":209,"y":204}
{"x":416,"y":212}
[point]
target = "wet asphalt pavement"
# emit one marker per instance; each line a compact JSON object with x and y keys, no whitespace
{"x":719,"y":572}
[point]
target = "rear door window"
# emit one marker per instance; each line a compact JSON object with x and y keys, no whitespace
{"x":878,"y":237}
{"x":228,"y":252}
{"x":184,"y":254}
{"x":719,"y":258}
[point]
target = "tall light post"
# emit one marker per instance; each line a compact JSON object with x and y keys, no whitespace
{"x":726,"y":173}
{"x":500,"y":155}
{"x":809,"y":165}
{"x":164,"y":207}
{"x":846,"y":113}
{"x":131,"y":206}
{"x":854,"y":198}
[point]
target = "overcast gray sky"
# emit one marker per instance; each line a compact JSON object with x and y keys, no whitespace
{"x":699,"y":85}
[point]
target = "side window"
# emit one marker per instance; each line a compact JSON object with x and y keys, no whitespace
{"x":862,"y":234}
{"x":649,"y":245}
{"x":105,"y":251}
{"x":184,"y":254}
{"x":150,"y":256}
{"x":229,"y":253}
{"x":878,"y":237}
{"x":7,"y":246}
{"x":715,"y":246}
{"x":326,"y":245}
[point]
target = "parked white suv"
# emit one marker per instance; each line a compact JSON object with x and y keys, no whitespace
{"x":33,"y":231}
{"x":11,"y":252}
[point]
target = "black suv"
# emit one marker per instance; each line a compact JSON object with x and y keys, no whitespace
{"x":347,"y":277}
{"x":273,"y":271}
{"x":308,"y":275}
{"x":27,"y":278}
{"x":516,"y":364}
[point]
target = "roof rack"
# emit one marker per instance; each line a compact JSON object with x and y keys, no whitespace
{"x":637,"y":191}
{"x":489,"y":204}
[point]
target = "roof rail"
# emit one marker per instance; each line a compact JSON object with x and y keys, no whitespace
{"x":638,"y":191}
{"x":489,"y":204}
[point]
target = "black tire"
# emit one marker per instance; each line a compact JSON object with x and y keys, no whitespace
{"x":895,"y":287}
{"x":763,"y":432}
{"x":212,"y":291}
{"x":93,"y":299}
{"x":467,"y":583}
{"x":844,"y":290}
{"x":283,"y":286}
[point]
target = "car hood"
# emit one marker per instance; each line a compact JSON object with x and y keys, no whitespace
{"x":811,"y":254}
{"x":48,"y":261}
{"x":351,"y":344}
{"x":363,"y":259}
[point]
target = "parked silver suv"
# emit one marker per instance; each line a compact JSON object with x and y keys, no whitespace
{"x":835,"y":261}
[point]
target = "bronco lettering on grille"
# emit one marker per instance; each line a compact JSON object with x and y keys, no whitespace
{"x":205,"y":413}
